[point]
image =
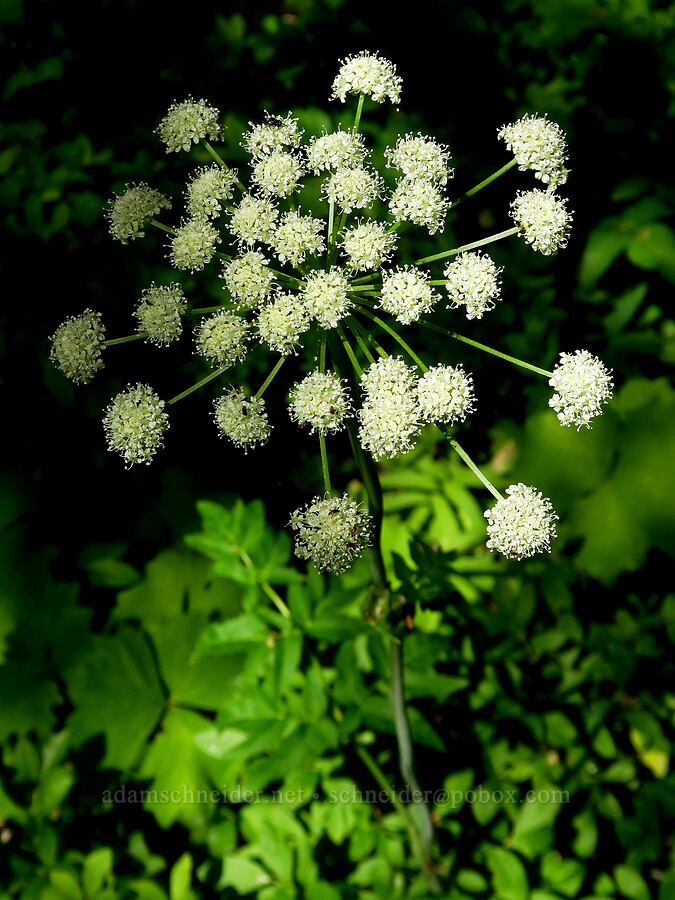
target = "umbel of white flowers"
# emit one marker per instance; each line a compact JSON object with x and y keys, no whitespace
{"x":324,"y":278}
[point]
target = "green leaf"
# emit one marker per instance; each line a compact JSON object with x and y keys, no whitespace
{"x":563,"y":875}
{"x":180,"y":878}
{"x":244,"y":875}
{"x":96,"y":869}
{"x":509,"y":878}
{"x":631,"y":883}
{"x":233,"y":636}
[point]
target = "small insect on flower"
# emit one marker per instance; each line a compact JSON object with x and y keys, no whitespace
{"x":277,"y":174}
{"x":249,"y":280}
{"x":368,"y":74}
{"x":77,"y":345}
{"x":368,"y":245}
{"x":445,"y":395}
{"x":540,"y":146}
{"x":389,"y":417}
{"x":209,"y":189}
{"x":129,"y":212}
{"x":407,"y":294}
{"x":321,"y":401}
{"x":473,"y":282}
{"x":193,"y":245}
{"x":275,"y":133}
{"x":337,"y":150}
{"x":522,"y":523}
{"x":253,"y":220}
{"x":221,"y":338}
{"x":281,"y":323}
{"x":326,"y":298}
{"x":419,"y":156}
{"x":298,"y":237}
{"x":582,"y":385}
{"x":331,"y":532}
{"x":241,"y":419}
{"x":188,"y":123}
{"x":543,"y":219}
{"x":135,"y":423}
{"x":351,"y":189}
{"x":419,"y":201}
{"x":159,"y":313}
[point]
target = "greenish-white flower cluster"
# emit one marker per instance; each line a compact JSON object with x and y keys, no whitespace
{"x":326,"y":297}
{"x":128,"y":213}
{"x":331,"y":532}
{"x":77,"y":345}
{"x":160,"y":313}
{"x":472,"y":281}
{"x":209,"y":189}
{"x":188,"y":123}
{"x":321,"y":401}
{"x":221,"y":338}
{"x":370,"y":75}
{"x":241,"y":419}
{"x":543,"y":220}
{"x":522,"y":523}
{"x":582,"y":386}
{"x":297,"y":237}
{"x":193,"y":244}
{"x":135,"y":423}
{"x":407,"y":294}
{"x":249,"y":279}
{"x":368,"y":245}
{"x":538,"y":145}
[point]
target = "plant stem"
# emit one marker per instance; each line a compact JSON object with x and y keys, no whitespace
{"x":162,"y":226}
{"x":486,"y":349}
{"x":265,"y":585}
{"x":195,"y":387}
{"x":483,"y":183}
{"x":360,"y":338}
{"x":359,"y":110}
{"x":324,"y":464}
{"x":266,"y":383}
{"x":221,"y":162}
{"x":113,"y":342}
{"x":466,"y":459}
{"x":331,"y":224}
{"x":202,"y":310}
{"x":350,"y":353}
{"x":358,"y":329}
{"x":397,"y":337}
{"x":481,"y":243}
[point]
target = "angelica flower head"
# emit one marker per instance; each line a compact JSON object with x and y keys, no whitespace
{"x":368,"y":245}
{"x":540,"y":146}
{"x":277,"y":174}
{"x":582,"y":386}
{"x":275,"y":133}
{"x":221,"y":338}
{"x":407,"y":294}
{"x":248,"y":279}
{"x":129,"y":212}
{"x":445,"y":395}
{"x":543,"y":219}
{"x":419,"y":201}
{"x":337,"y":150}
{"x":418,"y":156}
{"x":77,"y":345}
{"x":522,"y":523}
{"x":473,"y":282}
{"x":134,"y":424}
{"x":326,"y":298}
{"x":253,"y":220}
{"x":241,"y":419}
{"x":368,"y":74}
{"x":389,"y":420}
{"x":281,"y":323}
{"x":209,"y":188}
{"x":321,"y":401}
{"x":355,"y":188}
{"x":159,"y":313}
{"x":193,"y":244}
{"x":298,"y":237}
{"x":189,"y":123}
{"x":331,"y":532}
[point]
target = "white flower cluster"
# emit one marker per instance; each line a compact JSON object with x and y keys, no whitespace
{"x":326,"y":298}
{"x":418,"y":156}
{"x":189,"y":123}
{"x":77,"y":344}
{"x":275,"y":133}
{"x":355,"y":188}
{"x":298,"y":237}
{"x":419,"y":201}
{"x":241,"y":419}
{"x":331,"y":532}
{"x":248,"y":279}
{"x":582,"y":386}
{"x":281,"y":323}
{"x":370,"y":75}
{"x":208,"y":190}
{"x":337,"y":150}
{"x":128,"y":213}
{"x":193,"y":244}
{"x":522,"y":523}
{"x":407,"y":294}
{"x":221,"y":338}
{"x":159,"y":313}
{"x":253,"y":220}
{"x":473,"y":282}
{"x":543,"y":219}
{"x":445,"y":395}
{"x":277,"y":174}
{"x":368,"y":245}
{"x":135,"y":423}
{"x":539,"y":146}
{"x":320,"y":401}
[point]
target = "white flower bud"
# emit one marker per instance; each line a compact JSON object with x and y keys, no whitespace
{"x":321,"y":401}
{"x":582,"y":386}
{"x":77,"y":345}
{"x":474,"y":283}
{"x":209,"y":189}
{"x":242,"y":419}
{"x":129,"y":212}
{"x":540,"y":146}
{"x":445,"y":395}
{"x":419,"y":201}
{"x":368,"y":245}
{"x":193,"y":245}
{"x":418,"y":156}
{"x":189,"y":123}
{"x":331,"y":532}
{"x":369,"y":74}
{"x":134,"y":424}
{"x":521,"y":524}
{"x":407,"y":294}
{"x":543,"y":220}
{"x":281,"y":323}
{"x":253,"y":220}
{"x":159,"y":313}
{"x":248,"y":279}
{"x":350,"y":189}
{"x":326,"y":298}
{"x":298,"y":237}
{"x":221,"y":338}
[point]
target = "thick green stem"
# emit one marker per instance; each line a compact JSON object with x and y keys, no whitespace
{"x":195,"y":387}
{"x":483,"y":183}
{"x":331,"y":225}
{"x":113,"y":342}
{"x":466,"y":459}
{"x":486,"y":349}
{"x":324,"y":464}
{"x":162,"y":226}
{"x":359,"y":110}
{"x":266,"y":383}
{"x":481,"y":243}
